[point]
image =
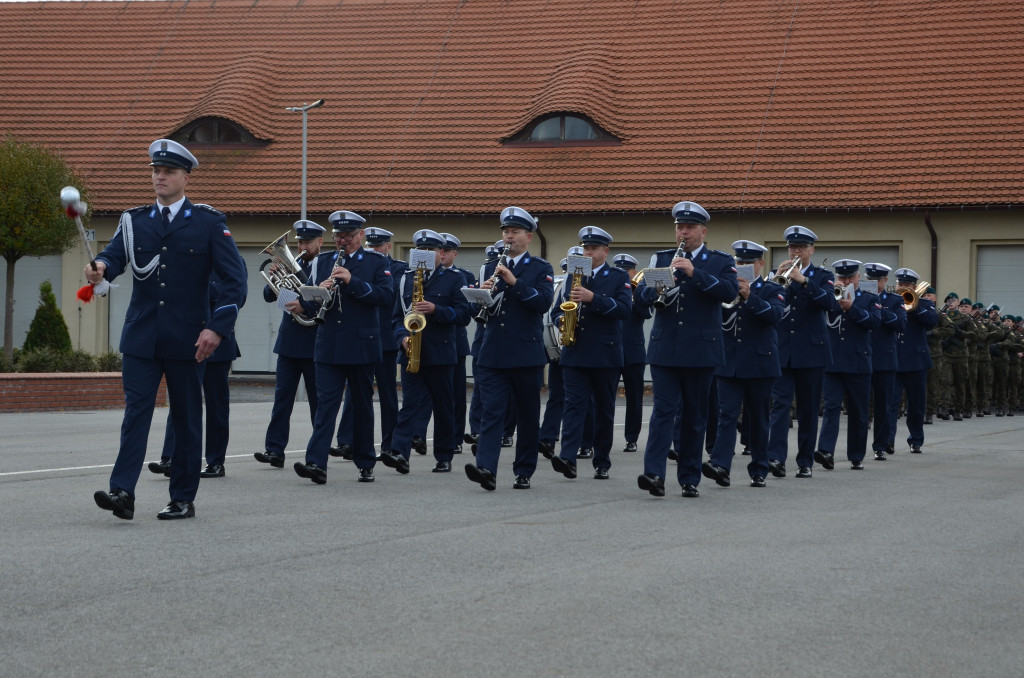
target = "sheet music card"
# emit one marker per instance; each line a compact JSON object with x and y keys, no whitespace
{"x":285,"y":296}
{"x":311,"y":293}
{"x":421,"y":257}
{"x":745,"y":271}
{"x":584,"y":264}
{"x":659,"y":278}
{"x":477,"y":296}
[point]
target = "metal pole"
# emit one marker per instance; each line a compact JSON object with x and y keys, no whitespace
{"x":304,"y":108}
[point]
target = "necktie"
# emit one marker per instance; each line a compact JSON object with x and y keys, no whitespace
{"x":166,"y":212}
{"x":689,"y":255}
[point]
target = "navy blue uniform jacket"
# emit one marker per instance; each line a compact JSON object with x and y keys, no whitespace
{"x":850,"y":334}
{"x":688,"y":332}
{"x":293,"y":340}
{"x":599,"y":323}
{"x":803,"y":334}
{"x":513,"y":335}
{"x":165,"y":315}
{"x":883,"y":340}
{"x":351,"y":331}
{"x":912,"y":345}
{"x":451,"y":311}
{"x":461,"y":334}
{"x":751,"y":335}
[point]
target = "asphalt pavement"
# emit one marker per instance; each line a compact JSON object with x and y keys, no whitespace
{"x":909,"y":568}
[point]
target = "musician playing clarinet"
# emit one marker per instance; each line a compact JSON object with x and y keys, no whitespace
{"x":685,"y":347}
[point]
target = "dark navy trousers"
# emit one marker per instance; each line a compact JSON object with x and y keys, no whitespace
{"x":427,"y":392}
{"x":916,"y":385}
{"x":753,"y":396}
{"x":387,"y":395}
{"x":330,"y":383}
{"x":883,"y":386}
{"x":633,"y":384}
{"x":217,"y":396}
{"x":856,"y":388}
{"x":688,"y":387}
{"x":289,"y":371}
{"x":589,"y":390}
{"x":141,"y":380}
{"x":805,"y":385}
{"x":499,"y":388}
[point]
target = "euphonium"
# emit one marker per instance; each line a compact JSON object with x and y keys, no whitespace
{"x":911,"y":297}
{"x":288,"y":274}
{"x":415,"y":322}
{"x":570,"y":312}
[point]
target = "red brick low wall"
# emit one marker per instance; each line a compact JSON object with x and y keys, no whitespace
{"x":47,"y":392}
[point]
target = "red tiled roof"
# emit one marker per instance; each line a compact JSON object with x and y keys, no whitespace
{"x":755,"y":104}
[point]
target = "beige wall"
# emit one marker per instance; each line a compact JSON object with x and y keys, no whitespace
{"x":959,"y":234}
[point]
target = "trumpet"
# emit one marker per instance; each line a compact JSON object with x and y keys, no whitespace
{"x":484,"y":313}
{"x":288,"y":274}
{"x":783,"y":278}
{"x":838,"y":291}
{"x":912,"y":297}
{"x":637,"y":279}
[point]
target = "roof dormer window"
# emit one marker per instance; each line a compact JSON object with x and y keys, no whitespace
{"x":562,"y":129}
{"x":214,"y":132}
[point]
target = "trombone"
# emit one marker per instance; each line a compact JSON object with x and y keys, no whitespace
{"x":912,"y":297}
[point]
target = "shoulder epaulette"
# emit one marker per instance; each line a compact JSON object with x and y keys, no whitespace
{"x":382,"y":256}
{"x":540,"y":259}
{"x":207,"y":208}
{"x":671,"y":251}
{"x":140,"y":208}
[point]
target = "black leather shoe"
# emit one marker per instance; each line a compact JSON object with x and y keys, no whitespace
{"x":118,"y":501}
{"x":916,"y":449}
{"x":879,"y":456}
{"x":825,"y":459}
{"x":716,"y":473}
{"x":889,"y":449}
{"x":652,"y":483}
{"x":311,"y":471}
{"x":746,"y":452}
{"x":672,"y":455}
{"x":442,"y":467}
{"x":366,"y":475}
{"x":419,"y":444}
{"x":176,"y":510}
{"x":630,"y":447}
{"x":481,"y":476}
{"x":161,"y":467}
{"x":600,"y":474}
{"x":521,"y":483}
{"x":928,"y":420}
{"x":690,"y":491}
{"x":777,"y":468}
{"x":212,"y":471}
{"x":343,"y":451}
{"x":804,"y":472}
{"x":585,"y":453}
{"x":473,"y":449}
{"x":957,"y":416}
{"x":757,"y":481}
{"x":471,"y":438}
{"x":564,"y":467}
{"x":275,"y":460}
{"x":458,"y":449}
{"x":546,"y":448}
{"x":506,"y":441}
{"x":394,"y":460}
{"x":856,"y":466}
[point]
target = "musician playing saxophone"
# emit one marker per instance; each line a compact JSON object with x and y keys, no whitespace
{"x":591,"y":360}
{"x":436,"y":297}
{"x":512,"y":356}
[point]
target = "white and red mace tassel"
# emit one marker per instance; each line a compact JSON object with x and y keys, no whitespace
{"x":75,"y":208}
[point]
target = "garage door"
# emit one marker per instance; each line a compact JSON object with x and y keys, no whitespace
{"x":29,"y":274}
{"x":255,"y":329}
{"x":999,"y":279}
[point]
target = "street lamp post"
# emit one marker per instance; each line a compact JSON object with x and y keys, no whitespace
{"x":304,"y":108}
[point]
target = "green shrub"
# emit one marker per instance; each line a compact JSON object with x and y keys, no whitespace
{"x":48,"y":329}
{"x":5,"y":364}
{"x":77,"y":361}
{"x":40,"y":360}
{"x":109,"y":362}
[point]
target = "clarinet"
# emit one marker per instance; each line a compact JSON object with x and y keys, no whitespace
{"x":662,"y":301}
{"x":482,"y":316}
{"x":335,"y":290}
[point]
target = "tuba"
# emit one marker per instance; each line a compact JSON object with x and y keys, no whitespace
{"x":415,"y":322}
{"x":911,"y":297}
{"x":288,"y":275}
{"x":570,"y":313}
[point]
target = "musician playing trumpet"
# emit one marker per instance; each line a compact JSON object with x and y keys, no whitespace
{"x":849,"y":374}
{"x":592,"y":357}
{"x":434,"y":297}
{"x":512,"y":356}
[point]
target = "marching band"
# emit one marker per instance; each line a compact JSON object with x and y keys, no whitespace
{"x":733,"y":347}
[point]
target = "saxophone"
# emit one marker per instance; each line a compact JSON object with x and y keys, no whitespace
{"x":415,"y":322}
{"x":571,"y":312}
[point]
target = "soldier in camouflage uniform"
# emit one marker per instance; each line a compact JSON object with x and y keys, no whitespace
{"x":938,"y":383}
{"x":955,"y":354}
{"x":998,"y":344}
{"x":984,"y":377}
{"x":1013,"y":345}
